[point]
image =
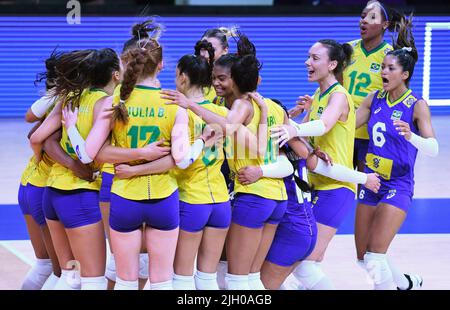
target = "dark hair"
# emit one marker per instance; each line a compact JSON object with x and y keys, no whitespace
{"x":147,"y":29}
{"x":198,"y":68}
{"x":221,"y":34}
{"x":143,"y":58}
{"x":50,"y":74}
{"x":78,"y":70}
{"x":394,"y":17}
{"x":404,"y":47}
{"x":204,"y":45}
{"x":342,"y":53}
{"x":244,"y":66}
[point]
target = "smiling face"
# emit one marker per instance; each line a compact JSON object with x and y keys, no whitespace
{"x":392,"y":73}
{"x":222,"y":81}
{"x":318,"y":63}
{"x":372,"y":22}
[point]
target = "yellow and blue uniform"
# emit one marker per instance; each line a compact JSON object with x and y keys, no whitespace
{"x":150,"y":199}
{"x":333,"y":199}
{"x":61,"y":177}
{"x":265,"y":200}
{"x":108,"y":170}
{"x":390,"y":154}
{"x":67,"y":198}
{"x":338,"y":142}
{"x":33,"y":182}
{"x":203,"y":191}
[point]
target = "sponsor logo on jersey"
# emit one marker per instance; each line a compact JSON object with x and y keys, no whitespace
{"x":377,"y":110}
{"x":315,"y":200}
{"x":381,"y":94}
{"x":396,"y":115}
{"x":320,"y":111}
{"x":391,"y":193}
{"x":374,"y":67}
{"x":409,"y":101}
{"x":376,"y":162}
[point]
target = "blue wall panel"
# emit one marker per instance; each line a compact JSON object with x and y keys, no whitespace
{"x":282,"y":45}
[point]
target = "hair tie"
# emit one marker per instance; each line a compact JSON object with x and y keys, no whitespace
{"x":384,"y":11}
{"x":407,"y":48}
{"x":121,"y":101}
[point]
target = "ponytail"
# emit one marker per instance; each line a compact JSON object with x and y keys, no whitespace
{"x":342,"y":53}
{"x":404,"y":46}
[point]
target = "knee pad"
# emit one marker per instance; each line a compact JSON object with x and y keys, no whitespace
{"x":110,"y":272}
{"x":378,"y":268}
{"x":309,"y":273}
{"x":143,"y":266}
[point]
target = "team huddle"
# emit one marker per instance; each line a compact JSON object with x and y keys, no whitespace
{"x":213,"y":186}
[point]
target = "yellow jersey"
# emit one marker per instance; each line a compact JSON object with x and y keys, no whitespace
{"x":269,"y":188}
{"x":40,"y":175}
{"x":363,"y":75}
{"x":150,"y":120}
{"x":203,"y":182}
{"x":29,"y":169}
{"x":338,"y":142}
{"x":61,"y":177}
{"x":108,"y":167}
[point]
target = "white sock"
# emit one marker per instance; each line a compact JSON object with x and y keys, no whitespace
{"x":312,"y":277}
{"x":122,"y":285}
{"x":222,"y":269}
{"x":206,"y":281}
{"x":94,"y":283}
{"x":110,"y":272}
{"x":183,"y":282}
{"x":143,"y":266}
{"x":38,"y":274}
{"x":378,"y":269}
{"x":291,"y":283}
{"x":167,"y":285}
{"x":69,"y":280}
{"x":254,"y":281}
{"x":400,"y":279}
{"x":50,"y":283}
{"x":236,"y":282}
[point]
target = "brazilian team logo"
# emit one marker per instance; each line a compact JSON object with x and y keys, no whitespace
{"x":374,"y":67}
{"x":409,"y":101}
{"x":396,"y":115}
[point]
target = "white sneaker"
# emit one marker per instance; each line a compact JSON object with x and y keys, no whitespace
{"x":415,"y":282}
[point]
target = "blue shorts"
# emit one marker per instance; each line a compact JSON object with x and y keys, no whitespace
{"x":105,"y":189}
{"x":399,"y":199}
{"x":360,"y":149}
{"x":331,"y":206}
{"x":128,"y":215}
{"x":74,"y":208}
{"x":254,"y":211}
{"x":195,"y":217}
{"x":22,"y":199}
{"x":34,"y":196}
{"x":295,"y":237}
